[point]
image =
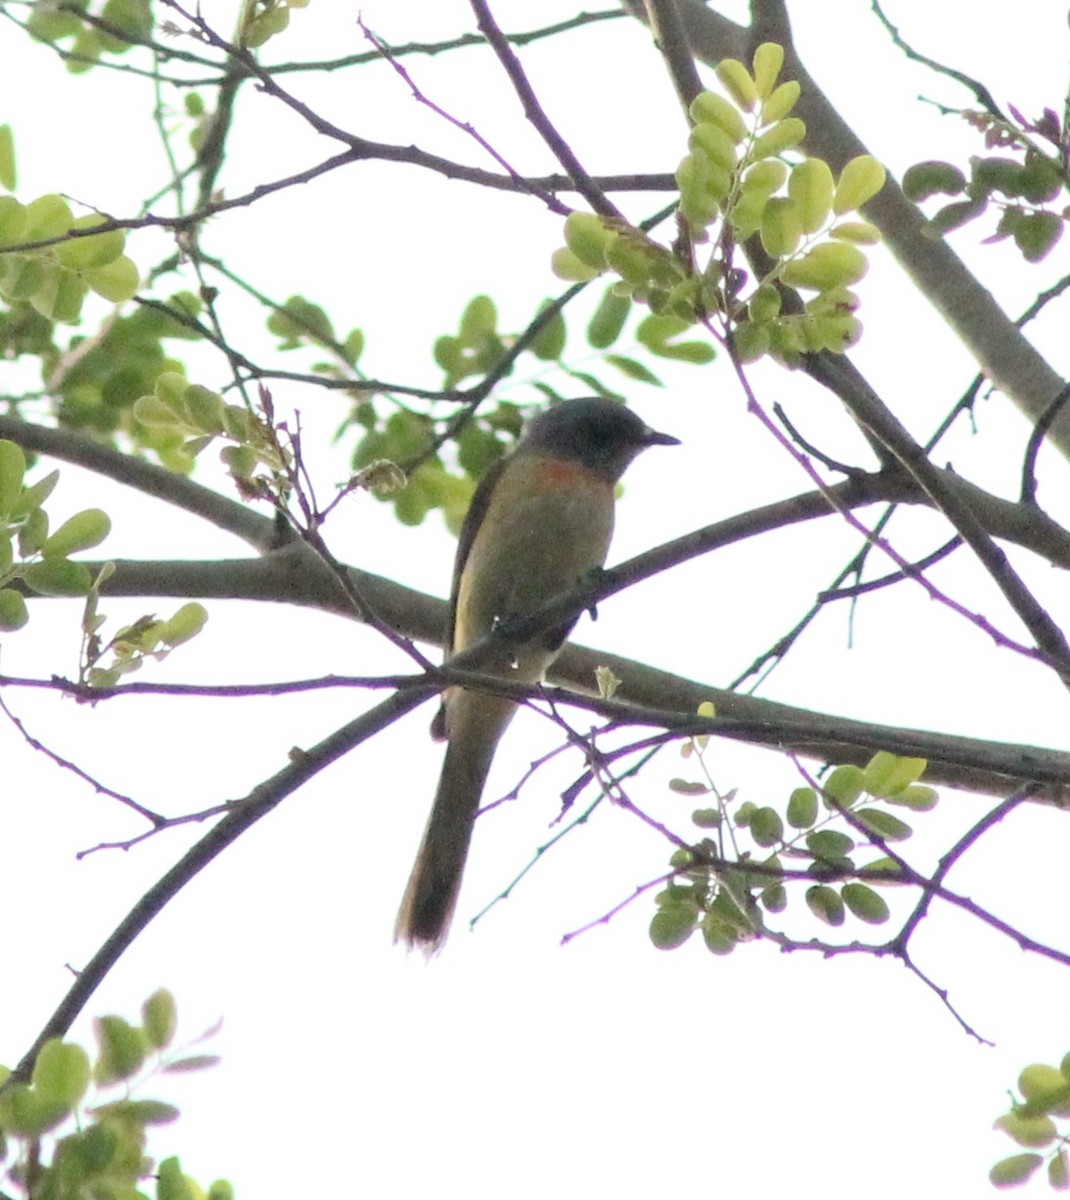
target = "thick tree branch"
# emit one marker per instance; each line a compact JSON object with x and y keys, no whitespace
{"x":68,"y":446}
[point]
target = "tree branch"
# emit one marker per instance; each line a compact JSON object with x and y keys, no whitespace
{"x":1010,"y":360}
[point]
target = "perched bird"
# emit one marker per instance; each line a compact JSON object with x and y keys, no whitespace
{"x":540,"y":520}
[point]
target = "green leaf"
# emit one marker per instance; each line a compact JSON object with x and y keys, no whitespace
{"x":298,"y":321}
{"x":47,"y":217}
{"x":886,"y":867}
{"x":8,"y":176}
{"x":886,"y":826}
{"x":58,"y":577}
{"x":766,"y":827}
{"x":171,"y":1184}
{"x":1041,"y":179}
{"x":61,"y":1073}
{"x":13,"y":611}
{"x":595,"y":384}
{"x":698,"y":353}
{"x":117,"y":281}
{"x":886,"y":774}
{"x":185,"y":624}
{"x":35,"y":495}
{"x":802,"y":808}
{"x":779,"y":137}
{"x":33,"y":532}
{"x":12,"y":221}
{"x":122,"y":1049}
{"x":203,"y":409}
{"x":782,"y":226}
{"x":47,"y":23}
{"x":1036,"y":233}
{"x":353,"y":347}
{"x":860,"y":180}
{"x":478,"y":321}
{"x":1009,"y":1172}
{"x":767,"y":62}
{"x":828,"y":265}
{"x":704,"y":818}
{"x":264,"y":26}
{"x":83,"y":531}
{"x":94,"y":250}
{"x":926,"y":179}
{"x":738,"y":83}
{"x":549,"y":344}
{"x":720,"y":936}
{"x":633,"y":369}
{"x":12,"y":470}
{"x":587,"y":239}
{"x":829,"y":844}
{"x":133,"y":17}
{"x":825,"y":904}
{"x":60,"y":296}
{"x":865,"y":903}
{"x":192,"y":1062}
{"x":25,"y":1114}
{"x":139,"y":1112}
{"x":1045,"y":1088}
{"x":158,"y":1013}
{"x":845,"y":784}
{"x":1059,"y":1171}
{"x":952,"y":216}
{"x":567,"y":265}
{"x":918,"y":796}
{"x":712,"y":108}
{"x":1035,"y":1131}
{"x":672,"y":926}
{"x":812,"y":186}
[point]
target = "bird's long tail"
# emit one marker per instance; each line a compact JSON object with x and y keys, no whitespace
{"x":474,"y":723}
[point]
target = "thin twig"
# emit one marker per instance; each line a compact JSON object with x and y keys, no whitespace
{"x":533,"y":110}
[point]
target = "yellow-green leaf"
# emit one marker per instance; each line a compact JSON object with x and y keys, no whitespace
{"x":83,"y":531}
{"x":738,"y":83}
{"x":860,"y":180}
{"x":117,"y":281}
{"x":8,"y":176}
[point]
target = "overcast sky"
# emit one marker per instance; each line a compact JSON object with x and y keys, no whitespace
{"x":512,"y":1066}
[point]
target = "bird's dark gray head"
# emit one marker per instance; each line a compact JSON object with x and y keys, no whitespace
{"x":597,"y":432}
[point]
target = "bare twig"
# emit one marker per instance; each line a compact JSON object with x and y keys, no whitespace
{"x":533,"y":110}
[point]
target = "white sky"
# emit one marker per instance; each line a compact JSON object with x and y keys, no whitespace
{"x":512,"y":1066}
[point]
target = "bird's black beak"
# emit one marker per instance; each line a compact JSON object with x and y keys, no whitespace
{"x":651,"y":437}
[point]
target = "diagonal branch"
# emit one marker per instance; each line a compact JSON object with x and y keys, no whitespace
{"x":1010,"y":360}
{"x":594,"y":196}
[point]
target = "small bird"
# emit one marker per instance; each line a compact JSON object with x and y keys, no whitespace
{"x":540,"y":520}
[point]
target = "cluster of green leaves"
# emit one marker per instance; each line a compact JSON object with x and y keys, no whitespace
{"x":118,"y":25}
{"x":819,"y":832}
{"x":104,"y":1154}
{"x":300,"y":323}
{"x":263,"y":19}
{"x":106,"y":661}
{"x":400,"y":435}
{"x":29,"y":554}
{"x":185,"y":418}
{"x":1023,"y":189}
{"x":735,"y":184}
{"x":56,"y":278}
{"x":98,"y":381}
{"x":404,"y":437}
{"x":1045,"y":1095}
